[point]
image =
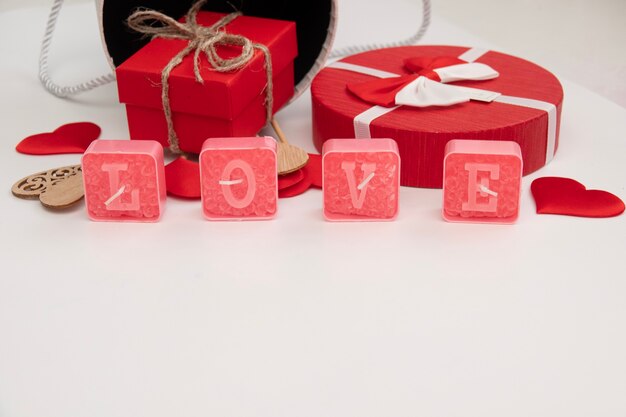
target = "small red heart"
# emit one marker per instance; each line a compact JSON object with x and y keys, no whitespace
{"x":314,"y":169}
{"x":311,"y":177}
{"x":298,"y":188}
{"x":556,"y":195}
{"x":286,"y":181}
{"x":182,"y":178}
{"x":69,"y":138}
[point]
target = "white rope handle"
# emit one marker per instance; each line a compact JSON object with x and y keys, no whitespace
{"x":354,"y":49}
{"x":60,"y":91}
{"x":44,"y":73}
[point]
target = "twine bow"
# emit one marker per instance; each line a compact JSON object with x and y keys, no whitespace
{"x":201,"y":40}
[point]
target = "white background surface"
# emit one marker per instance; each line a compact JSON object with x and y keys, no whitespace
{"x":297,"y":316}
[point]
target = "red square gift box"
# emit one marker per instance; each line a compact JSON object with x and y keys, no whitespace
{"x":522,"y":103}
{"x":226,"y":103}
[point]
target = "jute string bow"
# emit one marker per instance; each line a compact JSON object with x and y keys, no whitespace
{"x":202,"y":40}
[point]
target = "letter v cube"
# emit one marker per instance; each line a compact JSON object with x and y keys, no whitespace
{"x":361,"y":179}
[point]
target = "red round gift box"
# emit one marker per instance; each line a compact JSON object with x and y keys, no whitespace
{"x":422,"y":133}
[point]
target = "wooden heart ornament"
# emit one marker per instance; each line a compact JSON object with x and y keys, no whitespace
{"x":56,"y":188}
{"x":556,"y":195}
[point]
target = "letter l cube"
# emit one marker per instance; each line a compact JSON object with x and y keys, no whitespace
{"x":124,"y":180}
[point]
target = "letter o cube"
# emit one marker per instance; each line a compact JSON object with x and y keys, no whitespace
{"x":239,"y":178}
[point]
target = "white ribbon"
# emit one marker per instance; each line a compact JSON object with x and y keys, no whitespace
{"x":424,"y":92}
{"x":421,"y":91}
{"x":539,"y":105}
{"x":363,"y":70}
{"x":472,"y":71}
{"x":473,"y":54}
{"x":363,"y":121}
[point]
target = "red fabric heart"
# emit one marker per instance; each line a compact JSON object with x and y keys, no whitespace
{"x":311,"y":177}
{"x":314,"y":170}
{"x":286,"y":181}
{"x":69,"y":138}
{"x":556,"y":195}
{"x":298,"y":188}
{"x":182,"y":178}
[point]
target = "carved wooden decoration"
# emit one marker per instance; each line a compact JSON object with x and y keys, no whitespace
{"x":57,"y":188}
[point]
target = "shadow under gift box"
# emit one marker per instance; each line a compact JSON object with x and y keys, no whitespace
{"x":227,"y":104}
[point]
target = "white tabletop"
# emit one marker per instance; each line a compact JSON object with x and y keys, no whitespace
{"x":297,"y":316}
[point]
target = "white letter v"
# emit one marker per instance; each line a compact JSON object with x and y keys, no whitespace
{"x":368,"y":173}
